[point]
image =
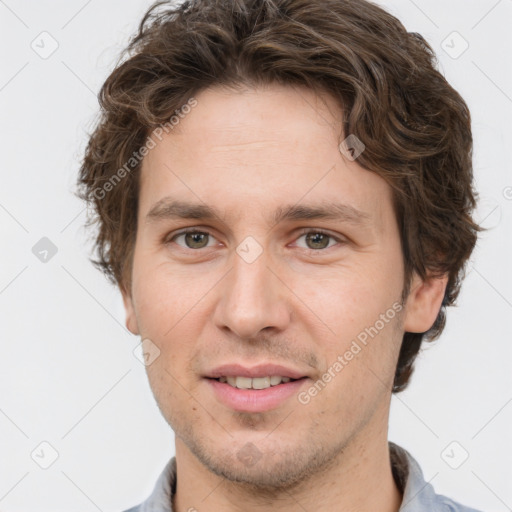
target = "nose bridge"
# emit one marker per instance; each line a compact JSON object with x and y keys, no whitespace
{"x":252,"y":298}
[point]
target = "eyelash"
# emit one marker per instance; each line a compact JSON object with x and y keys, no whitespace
{"x":303,"y":232}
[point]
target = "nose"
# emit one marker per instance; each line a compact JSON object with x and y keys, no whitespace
{"x":252,"y":298}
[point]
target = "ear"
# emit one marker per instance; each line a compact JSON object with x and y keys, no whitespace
{"x":131,"y":319}
{"x":424,"y":302}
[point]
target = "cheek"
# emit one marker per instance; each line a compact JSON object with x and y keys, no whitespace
{"x":166,"y":387}
{"x":165,"y":297}
{"x":357,"y":375}
{"x":345,"y":300}
{"x":357,"y":312}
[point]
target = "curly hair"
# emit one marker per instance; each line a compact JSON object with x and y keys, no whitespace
{"x":415,"y":126}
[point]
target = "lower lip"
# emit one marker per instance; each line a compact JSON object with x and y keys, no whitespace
{"x":254,"y":400}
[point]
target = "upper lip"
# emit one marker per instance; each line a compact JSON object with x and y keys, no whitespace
{"x":260,"y":370}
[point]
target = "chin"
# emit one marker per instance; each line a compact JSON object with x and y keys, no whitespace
{"x":265,"y":467}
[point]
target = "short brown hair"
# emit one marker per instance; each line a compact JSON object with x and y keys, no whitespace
{"x":415,"y":126}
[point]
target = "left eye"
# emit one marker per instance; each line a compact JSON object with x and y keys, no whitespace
{"x":318,"y":240}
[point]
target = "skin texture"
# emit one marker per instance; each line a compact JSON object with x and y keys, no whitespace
{"x":247,"y":153}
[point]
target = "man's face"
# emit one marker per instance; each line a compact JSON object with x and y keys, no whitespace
{"x":248,"y":296}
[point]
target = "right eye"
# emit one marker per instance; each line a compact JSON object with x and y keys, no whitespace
{"x":193,"y":239}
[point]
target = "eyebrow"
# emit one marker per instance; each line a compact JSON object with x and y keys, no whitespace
{"x":169,"y":208}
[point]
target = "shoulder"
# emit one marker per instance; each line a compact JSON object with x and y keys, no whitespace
{"x":418,"y":495}
{"x":448,"y":505}
{"x":161,"y":498}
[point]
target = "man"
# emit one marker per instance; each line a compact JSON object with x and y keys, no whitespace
{"x":283,"y":190}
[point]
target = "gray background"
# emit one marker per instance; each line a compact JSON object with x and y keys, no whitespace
{"x":68,"y":375}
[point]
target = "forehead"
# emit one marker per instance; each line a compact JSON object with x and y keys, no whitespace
{"x":258,"y":149}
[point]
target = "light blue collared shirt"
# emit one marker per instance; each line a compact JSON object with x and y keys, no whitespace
{"x":418,"y":495}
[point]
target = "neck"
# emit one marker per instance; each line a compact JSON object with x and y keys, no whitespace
{"x":359,"y":478}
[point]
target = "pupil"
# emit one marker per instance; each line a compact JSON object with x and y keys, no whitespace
{"x":196,"y":238}
{"x":315,"y":239}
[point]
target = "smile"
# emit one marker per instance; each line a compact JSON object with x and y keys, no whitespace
{"x":254,"y":383}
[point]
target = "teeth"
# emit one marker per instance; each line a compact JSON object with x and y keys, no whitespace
{"x":243,"y":382}
{"x":261,"y":383}
{"x":256,"y":383}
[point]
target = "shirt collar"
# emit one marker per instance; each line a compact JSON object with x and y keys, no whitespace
{"x":418,"y":495}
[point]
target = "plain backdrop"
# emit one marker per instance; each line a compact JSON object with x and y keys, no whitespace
{"x":71,"y":386}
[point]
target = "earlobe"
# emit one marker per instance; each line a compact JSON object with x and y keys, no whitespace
{"x":424,"y":302}
{"x":131,"y":319}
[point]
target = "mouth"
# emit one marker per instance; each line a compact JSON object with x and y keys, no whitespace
{"x":254,"y":389}
{"x":240,"y":382}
